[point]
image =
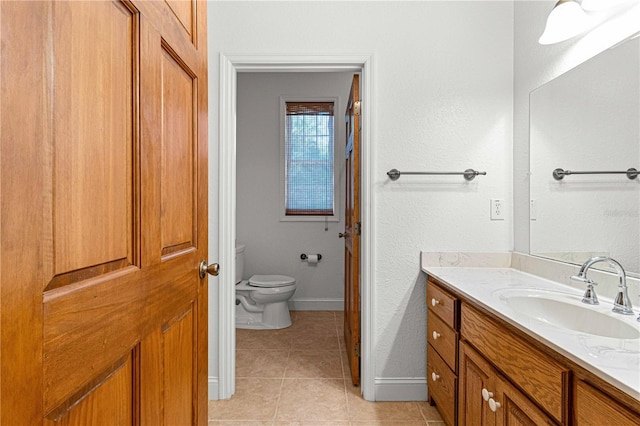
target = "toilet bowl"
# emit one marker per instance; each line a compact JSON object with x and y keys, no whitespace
{"x":262,"y":300}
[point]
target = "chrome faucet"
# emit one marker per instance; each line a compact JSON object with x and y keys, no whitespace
{"x":621,"y":303}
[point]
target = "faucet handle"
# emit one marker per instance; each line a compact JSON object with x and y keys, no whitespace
{"x":590,"y":296}
{"x":583,"y":279}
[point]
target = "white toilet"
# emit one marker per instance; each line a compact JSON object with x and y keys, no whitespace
{"x":261,"y":301}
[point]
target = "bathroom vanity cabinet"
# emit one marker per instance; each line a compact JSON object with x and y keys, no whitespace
{"x":483,"y":370}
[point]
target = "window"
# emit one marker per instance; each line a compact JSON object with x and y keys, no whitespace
{"x":309,"y":173}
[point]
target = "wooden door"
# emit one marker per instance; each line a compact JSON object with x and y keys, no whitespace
{"x":103,"y":189}
{"x":352,"y":233}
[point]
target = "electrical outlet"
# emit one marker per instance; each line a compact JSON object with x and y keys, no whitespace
{"x":497,"y":209}
{"x":533,"y":210}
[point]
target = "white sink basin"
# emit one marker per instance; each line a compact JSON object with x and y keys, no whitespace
{"x":566,"y":311}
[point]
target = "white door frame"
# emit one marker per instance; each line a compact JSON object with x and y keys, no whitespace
{"x":230,"y":65}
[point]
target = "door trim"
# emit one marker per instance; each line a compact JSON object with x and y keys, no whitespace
{"x":230,"y":65}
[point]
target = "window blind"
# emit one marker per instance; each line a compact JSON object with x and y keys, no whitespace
{"x":309,"y":144}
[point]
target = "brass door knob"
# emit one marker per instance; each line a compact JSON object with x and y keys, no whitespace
{"x":212,"y":269}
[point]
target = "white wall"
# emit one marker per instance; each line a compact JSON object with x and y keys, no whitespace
{"x":442,"y":83}
{"x":534,"y":66}
{"x":272,"y":246}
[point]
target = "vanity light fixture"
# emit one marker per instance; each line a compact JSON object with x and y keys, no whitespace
{"x":566,"y":20}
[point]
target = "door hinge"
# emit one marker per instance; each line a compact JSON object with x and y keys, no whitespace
{"x":358,"y":228}
{"x":356,"y":349}
{"x":356,"y":107}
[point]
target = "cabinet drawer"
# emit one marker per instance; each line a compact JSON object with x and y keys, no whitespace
{"x":442,"y":304}
{"x":544,"y":380}
{"x":592,"y":408}
{"x":443,"y":339}
{"x":442,"y":385}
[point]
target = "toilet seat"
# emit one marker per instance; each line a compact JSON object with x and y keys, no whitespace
{"x":245,"y":286}
{"x":269,"y":281}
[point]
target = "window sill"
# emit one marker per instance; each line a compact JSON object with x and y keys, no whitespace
{"x":309,"y":219}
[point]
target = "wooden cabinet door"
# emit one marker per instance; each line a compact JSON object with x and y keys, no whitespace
{"x":103,"y":188}
{"x":475,"y":375}
{"x":593,"y":407}
{"x":513,"y":408}
{"x":487,"y":398}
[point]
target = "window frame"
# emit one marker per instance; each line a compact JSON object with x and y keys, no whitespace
{"x":335,"y":217}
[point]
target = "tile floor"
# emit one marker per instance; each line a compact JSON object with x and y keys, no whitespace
{"x":299,"y":376}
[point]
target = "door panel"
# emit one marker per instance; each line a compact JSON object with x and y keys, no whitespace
{"x":352,"y":233}
{"x":110,"y":403}
{"x":179,"y":372}
{"x":93,"y":209}
{"x":178,"y":162}
{"x":184,"y":11}
{"x":103,"y":316}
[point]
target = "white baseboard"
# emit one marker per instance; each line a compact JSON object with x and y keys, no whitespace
{"x":401,"y":389}
{"x":214,"y":386}
{"x":316,"y":304}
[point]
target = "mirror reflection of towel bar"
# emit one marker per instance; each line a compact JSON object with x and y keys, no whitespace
{"x":469,"y":174}
{"x":559,"y":174}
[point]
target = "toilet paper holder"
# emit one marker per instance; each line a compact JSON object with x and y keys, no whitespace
{"x":303,"y":256}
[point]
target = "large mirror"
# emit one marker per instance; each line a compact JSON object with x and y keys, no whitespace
{"x":588,"y":120}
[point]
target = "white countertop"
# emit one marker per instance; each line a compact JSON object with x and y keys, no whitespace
{"x":615,"y":360}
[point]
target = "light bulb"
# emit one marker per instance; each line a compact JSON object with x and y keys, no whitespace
{"x":566,"y":20}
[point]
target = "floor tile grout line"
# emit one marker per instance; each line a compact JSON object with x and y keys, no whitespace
{"x":244,"y":420}
{"x":424,"y":418}
{"x":344,"y":371}
{"x":286,"y":364}
{"x":275,"y":415}
{"x":346,"y":397}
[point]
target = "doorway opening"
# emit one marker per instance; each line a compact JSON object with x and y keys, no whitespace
{"x":230,"y":66}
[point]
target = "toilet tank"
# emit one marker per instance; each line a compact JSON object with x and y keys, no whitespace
{"x":239,"y":262}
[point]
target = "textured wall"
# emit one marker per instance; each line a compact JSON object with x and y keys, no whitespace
{"x":442,"y":82}
{"x":272,"y":246}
